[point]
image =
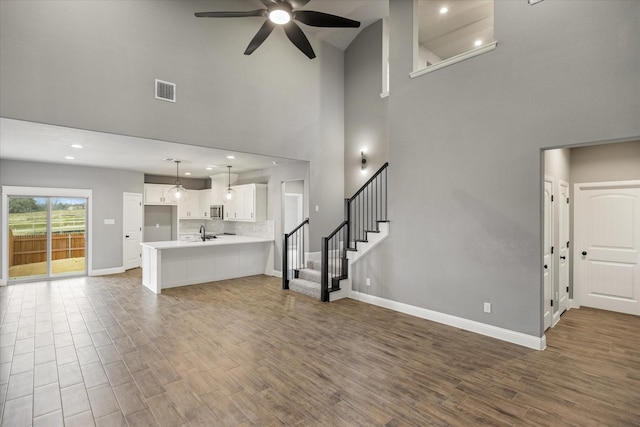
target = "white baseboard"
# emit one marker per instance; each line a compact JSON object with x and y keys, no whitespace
{"x":274,"y":273}
{"x":3,"y":282}
{"x":529,"y":341}
{"x":573,"y":303}
{"x":106,"y":271}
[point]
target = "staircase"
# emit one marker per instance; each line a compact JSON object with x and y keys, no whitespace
{"x":364,"y":227}
{"x":307,"y":280}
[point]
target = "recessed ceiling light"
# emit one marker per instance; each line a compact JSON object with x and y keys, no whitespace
{"x":275,"y":163}
{"x":187,"y":173}
{"x":477,"y":43}
{"x":231,"y":157}
{"x":69,"y":157}
{"x":76,"y":146}
{"x":444,"y":10}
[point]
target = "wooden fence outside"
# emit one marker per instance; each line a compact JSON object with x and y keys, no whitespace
{"x":32,"y":248}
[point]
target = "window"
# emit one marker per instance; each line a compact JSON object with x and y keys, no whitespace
{"x":385,"y":57}
{"x":449,"y":31}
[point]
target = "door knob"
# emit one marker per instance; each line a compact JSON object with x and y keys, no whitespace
{"x":127,"y":236}
{"x":584,"y":253}
{"x":563,"y":257}
{"x":545,"y":266}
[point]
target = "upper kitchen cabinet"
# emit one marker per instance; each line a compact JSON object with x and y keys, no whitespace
{"x":157,"y":194}
{"x":196,"y":206}
{"x":249,"y":203}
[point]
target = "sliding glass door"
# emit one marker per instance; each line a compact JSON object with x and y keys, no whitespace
{"x":46,"y":237}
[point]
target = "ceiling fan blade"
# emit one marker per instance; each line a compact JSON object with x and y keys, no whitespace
{"x":319,"y":19}
{"x":297,"y":3}
{"x":268,"y":2}
{"x":260,"y":36}
{"x":297,"y":37}
{"x":259,"y":12}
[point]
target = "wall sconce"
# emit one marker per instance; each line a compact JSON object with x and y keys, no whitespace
{"x":363,"y":162}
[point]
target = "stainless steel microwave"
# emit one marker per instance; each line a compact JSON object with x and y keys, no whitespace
{"x":216,"y":212}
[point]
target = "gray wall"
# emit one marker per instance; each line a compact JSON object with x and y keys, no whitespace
{"x":92,"y":65}
{"x":274,"y":177}
{"x":366,"y":113}
{"x":188,"y":183}
{"x":107,"y":185}
{"x":464,"y":151}
{"x":608,"y":162}
{"x":158,"y":223}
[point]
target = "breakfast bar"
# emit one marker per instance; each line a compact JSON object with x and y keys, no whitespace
{"x":175,"y":263}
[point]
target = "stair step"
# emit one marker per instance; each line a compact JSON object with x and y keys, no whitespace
{"x":305,"y":287}
{"x":310,"y":275}
{"x":316,"y":265}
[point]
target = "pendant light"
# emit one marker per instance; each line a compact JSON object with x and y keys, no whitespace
{"x":228,"y":194}
{"x":177,"y":193}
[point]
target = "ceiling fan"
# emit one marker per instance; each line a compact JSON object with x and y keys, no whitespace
{"x":282,"y":13}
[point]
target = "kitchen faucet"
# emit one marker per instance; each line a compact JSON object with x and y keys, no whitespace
{"x":203,"y":234}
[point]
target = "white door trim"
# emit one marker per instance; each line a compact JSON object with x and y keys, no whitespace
{"x":563,"y":249}
{"x":548,"y":289}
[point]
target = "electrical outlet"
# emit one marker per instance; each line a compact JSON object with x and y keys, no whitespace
{"x":368,"y":281}
{"x":317,"y":208}
{"x":157,"y":225}
{"x":487,"y":307}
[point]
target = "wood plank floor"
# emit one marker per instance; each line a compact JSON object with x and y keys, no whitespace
{"x":106,"y":351}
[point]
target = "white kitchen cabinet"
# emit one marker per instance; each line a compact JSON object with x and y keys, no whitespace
{"x":189,"y":208}
{"x":249,"y":203}
{"x":157,"y":194}
{"x":205,"y":202}
{"x":196,"y":205}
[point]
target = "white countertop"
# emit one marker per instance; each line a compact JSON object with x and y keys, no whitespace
{"x":219,"y":241}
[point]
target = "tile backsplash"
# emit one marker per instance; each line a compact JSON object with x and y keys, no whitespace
{"x":265,"y":229}
{"x":192,"y":226}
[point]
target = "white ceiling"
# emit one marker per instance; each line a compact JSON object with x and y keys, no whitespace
{"x":21,"y":140}
{"x":365,"y":11}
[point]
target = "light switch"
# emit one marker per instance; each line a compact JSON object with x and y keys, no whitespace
{"x":109,"y":221}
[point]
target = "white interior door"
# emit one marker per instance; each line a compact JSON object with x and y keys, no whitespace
{"x":132,"y":229}
{"x":547,"y":252}
{"x":607,"y":249}
{"x":563,"y":248}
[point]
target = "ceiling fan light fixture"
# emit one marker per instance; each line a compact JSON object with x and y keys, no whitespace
{"x":279,"y":16}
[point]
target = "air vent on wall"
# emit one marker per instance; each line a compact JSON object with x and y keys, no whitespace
{"x":165,"y":91}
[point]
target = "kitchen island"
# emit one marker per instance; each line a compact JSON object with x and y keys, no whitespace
{"x":178,"y":263}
